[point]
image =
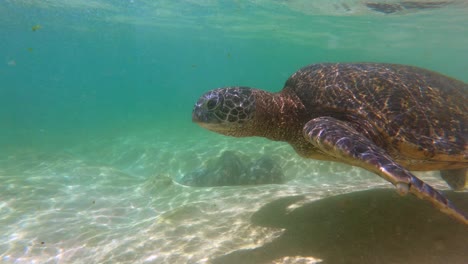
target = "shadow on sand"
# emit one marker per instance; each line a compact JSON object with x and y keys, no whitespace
{"x":373,"y":226}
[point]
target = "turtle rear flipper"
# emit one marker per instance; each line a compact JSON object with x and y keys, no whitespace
{"x":339,"y":139}
{"x":456,"y":179}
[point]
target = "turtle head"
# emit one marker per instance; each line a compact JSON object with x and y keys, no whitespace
{"x":226,"y":110}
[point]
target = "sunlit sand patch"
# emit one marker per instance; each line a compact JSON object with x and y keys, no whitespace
{"x":297,"y":260}
{"x":115,"y":200}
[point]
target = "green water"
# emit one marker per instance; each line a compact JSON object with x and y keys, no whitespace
{"x":95,"y":117}
{"x":107,"y":66}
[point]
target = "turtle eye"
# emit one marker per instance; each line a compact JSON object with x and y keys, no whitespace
{"x":212,"y":103}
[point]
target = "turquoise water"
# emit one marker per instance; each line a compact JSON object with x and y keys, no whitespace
{"x":95,"y":121}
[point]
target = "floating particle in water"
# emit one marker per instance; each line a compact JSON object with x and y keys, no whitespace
{"x":11,"y":63}
{"x":36,"y":27}
{"x":30,"y":49}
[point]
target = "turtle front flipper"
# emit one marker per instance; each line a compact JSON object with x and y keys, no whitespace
{"x":340,"y":140}
{"x":456,"y":179}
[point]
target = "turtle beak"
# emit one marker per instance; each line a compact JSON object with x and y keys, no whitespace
{"x":206,"y":119}
{"x":197,"y":114}
{"x":202,"y":117}
{"x":194,"y":118}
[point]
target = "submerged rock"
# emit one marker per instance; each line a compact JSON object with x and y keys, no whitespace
{"x":371,"y":226}
{"x":230,"y":169}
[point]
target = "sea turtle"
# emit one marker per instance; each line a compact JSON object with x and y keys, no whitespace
{"x":385,"y":118}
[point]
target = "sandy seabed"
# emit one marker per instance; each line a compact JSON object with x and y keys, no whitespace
{"x":113,"y":200}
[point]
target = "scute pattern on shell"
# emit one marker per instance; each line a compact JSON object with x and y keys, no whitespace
{"x":413,"y":109}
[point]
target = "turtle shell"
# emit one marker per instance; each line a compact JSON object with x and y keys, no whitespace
{"x":419,"y":116}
